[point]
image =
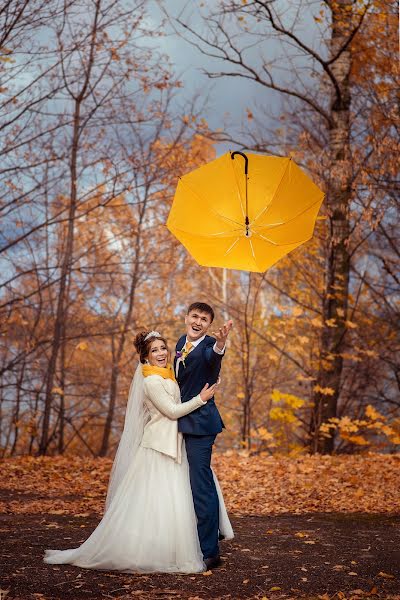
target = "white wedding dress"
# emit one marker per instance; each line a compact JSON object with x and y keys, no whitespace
{"x":149,"y":523}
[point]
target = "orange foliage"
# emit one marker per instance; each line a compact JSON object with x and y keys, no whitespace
{"x":251,"y":484}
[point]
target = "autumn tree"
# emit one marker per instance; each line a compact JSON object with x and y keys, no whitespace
{"x":316,"y":73}
{"x":83,"y":183}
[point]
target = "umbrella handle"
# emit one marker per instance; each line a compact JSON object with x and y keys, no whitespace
{"x":246,"y":163}
{"x":246,"y":170}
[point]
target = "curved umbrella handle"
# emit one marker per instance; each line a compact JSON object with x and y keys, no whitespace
{"x":246,"y":170}
{"x":246,"y":163}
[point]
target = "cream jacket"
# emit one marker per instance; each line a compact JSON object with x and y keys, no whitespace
{"x":163,"y":400}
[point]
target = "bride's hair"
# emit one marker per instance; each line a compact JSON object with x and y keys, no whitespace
{"x":143,"y":345}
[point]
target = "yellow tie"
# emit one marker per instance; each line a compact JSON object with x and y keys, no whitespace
{"x":187,"y":349}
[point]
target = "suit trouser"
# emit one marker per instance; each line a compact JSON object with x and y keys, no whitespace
{"x":205,"y":497}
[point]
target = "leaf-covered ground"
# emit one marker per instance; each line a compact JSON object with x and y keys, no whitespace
{"x":312,"y":527}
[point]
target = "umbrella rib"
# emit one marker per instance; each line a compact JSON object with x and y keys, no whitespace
{"x":272,"y":199}
{"x":210,"y":207}
{"x":295,"y":216}
{"x":232,"y":246}
{"x":231,"y":233}
{"x":223,"y":232}
{"x":278,"y":244}
{"x":271,"y":225}
{"x":266,"y":239}
{"x":252,"y":251}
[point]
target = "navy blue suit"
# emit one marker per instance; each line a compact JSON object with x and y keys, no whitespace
{"x":200,"y":428}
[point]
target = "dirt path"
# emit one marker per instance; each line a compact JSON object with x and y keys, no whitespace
{"x":286,"y":556}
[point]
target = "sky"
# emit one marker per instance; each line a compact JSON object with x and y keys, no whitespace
{"x":230,"y":97}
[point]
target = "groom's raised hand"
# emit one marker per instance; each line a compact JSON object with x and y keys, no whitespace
{"x":222,"y":334}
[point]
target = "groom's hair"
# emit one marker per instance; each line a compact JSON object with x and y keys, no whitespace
{"x":202,"y":307}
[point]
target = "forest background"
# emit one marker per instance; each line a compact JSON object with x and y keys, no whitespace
{"x":96,"y":126}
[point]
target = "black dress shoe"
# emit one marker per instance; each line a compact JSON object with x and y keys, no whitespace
{"x":213,"y":562}
{"x":220,"y":537}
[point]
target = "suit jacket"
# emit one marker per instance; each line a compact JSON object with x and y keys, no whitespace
{"x":163,"y":401}
{"x":202,"y":365}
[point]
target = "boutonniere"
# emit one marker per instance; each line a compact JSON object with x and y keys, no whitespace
{"x":182,"y":356}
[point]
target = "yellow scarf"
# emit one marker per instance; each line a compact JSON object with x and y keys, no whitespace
{"x":165,"y":372}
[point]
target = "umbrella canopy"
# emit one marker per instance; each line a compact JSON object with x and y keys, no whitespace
{"x":244,"y":211}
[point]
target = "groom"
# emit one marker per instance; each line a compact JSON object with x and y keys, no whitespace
{"x":197,"y":362}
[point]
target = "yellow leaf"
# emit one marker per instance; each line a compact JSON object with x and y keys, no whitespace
{"x":331,"y":322}
{"x":371,"y":353}
{"x":82,"y":346}
{"x":303,"y":378}
{"x":387,"y":575}
{"x":373,"y":414}
{"x":328,"y":391}
{"x":57,"y":390}
{"x":275,"y":588}
{"x":207,"y":573}
{"x":350,"y":325}
{"x":316,"y":322}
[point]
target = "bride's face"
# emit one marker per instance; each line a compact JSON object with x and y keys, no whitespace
{"x":158,"y":354}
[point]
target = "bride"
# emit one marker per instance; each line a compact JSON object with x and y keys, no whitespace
{"x":149,"y":522}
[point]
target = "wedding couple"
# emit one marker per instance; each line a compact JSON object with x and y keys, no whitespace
{"x":164,"y":509}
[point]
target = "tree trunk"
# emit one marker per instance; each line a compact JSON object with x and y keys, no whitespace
{"x":335,"y":301}
{"x":61,"y":301}
{"x":68,"y":253}
{"x":61,"y":425}
{"x":17,"y":409}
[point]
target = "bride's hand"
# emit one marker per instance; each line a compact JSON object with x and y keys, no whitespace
{"x":207,"y":392}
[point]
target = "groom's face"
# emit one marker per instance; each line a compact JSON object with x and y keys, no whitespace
{"x":197,"y":324}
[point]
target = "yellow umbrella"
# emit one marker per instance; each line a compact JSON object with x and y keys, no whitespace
{"x":244,"y":211}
